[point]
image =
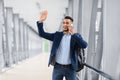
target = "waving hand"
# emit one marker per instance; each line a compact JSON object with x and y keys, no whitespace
{"x":43,"y":16}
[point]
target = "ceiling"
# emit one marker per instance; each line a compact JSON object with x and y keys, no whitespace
{"x":30,"y":11}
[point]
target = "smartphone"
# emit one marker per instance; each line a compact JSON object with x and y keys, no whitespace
{"x":72,"y":25}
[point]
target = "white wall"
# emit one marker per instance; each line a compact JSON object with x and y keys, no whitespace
{"x":111,"y":53}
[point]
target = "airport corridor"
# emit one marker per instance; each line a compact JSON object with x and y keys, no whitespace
{"x":24,"y":53}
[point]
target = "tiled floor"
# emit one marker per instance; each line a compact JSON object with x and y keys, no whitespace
{"x":35,"y":68}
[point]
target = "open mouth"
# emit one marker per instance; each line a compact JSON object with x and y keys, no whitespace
{"x":66,"y":30}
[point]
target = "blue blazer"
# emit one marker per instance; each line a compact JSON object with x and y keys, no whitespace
{"x":76,"y":41}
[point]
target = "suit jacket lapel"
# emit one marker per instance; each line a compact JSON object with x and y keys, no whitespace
{"x":59,"y":38}
{"x":72,"y":42}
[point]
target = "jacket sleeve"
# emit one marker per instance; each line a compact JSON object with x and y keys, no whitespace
{"x":79,"y":40}
{"x":42,"y":33}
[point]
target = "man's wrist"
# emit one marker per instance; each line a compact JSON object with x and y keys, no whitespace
{"x":40,"y":22}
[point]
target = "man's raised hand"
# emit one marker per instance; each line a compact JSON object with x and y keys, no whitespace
{"x":43,"y":16}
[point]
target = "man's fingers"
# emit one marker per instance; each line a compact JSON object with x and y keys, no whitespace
{"x":44,"y":12}
{"x":43,"y":15}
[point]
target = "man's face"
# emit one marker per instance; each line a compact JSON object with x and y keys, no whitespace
{"x":66,"y":24}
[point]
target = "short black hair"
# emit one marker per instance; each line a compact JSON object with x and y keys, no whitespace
{"x":68,"y":17}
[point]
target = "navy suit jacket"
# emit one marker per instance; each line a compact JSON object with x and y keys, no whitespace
{"x":76,"y":41}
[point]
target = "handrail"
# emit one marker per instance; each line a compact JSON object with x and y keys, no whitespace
{"x":100,"y":72}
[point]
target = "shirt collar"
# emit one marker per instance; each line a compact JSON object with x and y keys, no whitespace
{"x":67,"y":34}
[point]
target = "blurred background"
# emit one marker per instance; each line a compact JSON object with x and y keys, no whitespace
{"x":24,"y":55}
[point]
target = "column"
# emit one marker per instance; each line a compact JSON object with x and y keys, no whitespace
{"x":91,"y":42}
{"x":70,"y":8}
{"x":16,"y":36}
{"x":9,"y":35}
{"x":1,"y":36}
{"x":75,"y":14}
{"x":79,"y":17}
{"x":21,"y":40}
{"x":27,"y":41}
{"x":23,"y":43}
{"x":99,"y":41}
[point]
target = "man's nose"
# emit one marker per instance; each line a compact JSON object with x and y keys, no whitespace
{"x":65,"y":24}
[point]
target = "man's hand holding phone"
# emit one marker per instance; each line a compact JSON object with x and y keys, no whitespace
{"x":71,"y":29}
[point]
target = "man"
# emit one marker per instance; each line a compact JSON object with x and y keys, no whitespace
{"x":63,"y":54}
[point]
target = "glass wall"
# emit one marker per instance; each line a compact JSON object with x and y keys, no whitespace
{"x":18,"y":41}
